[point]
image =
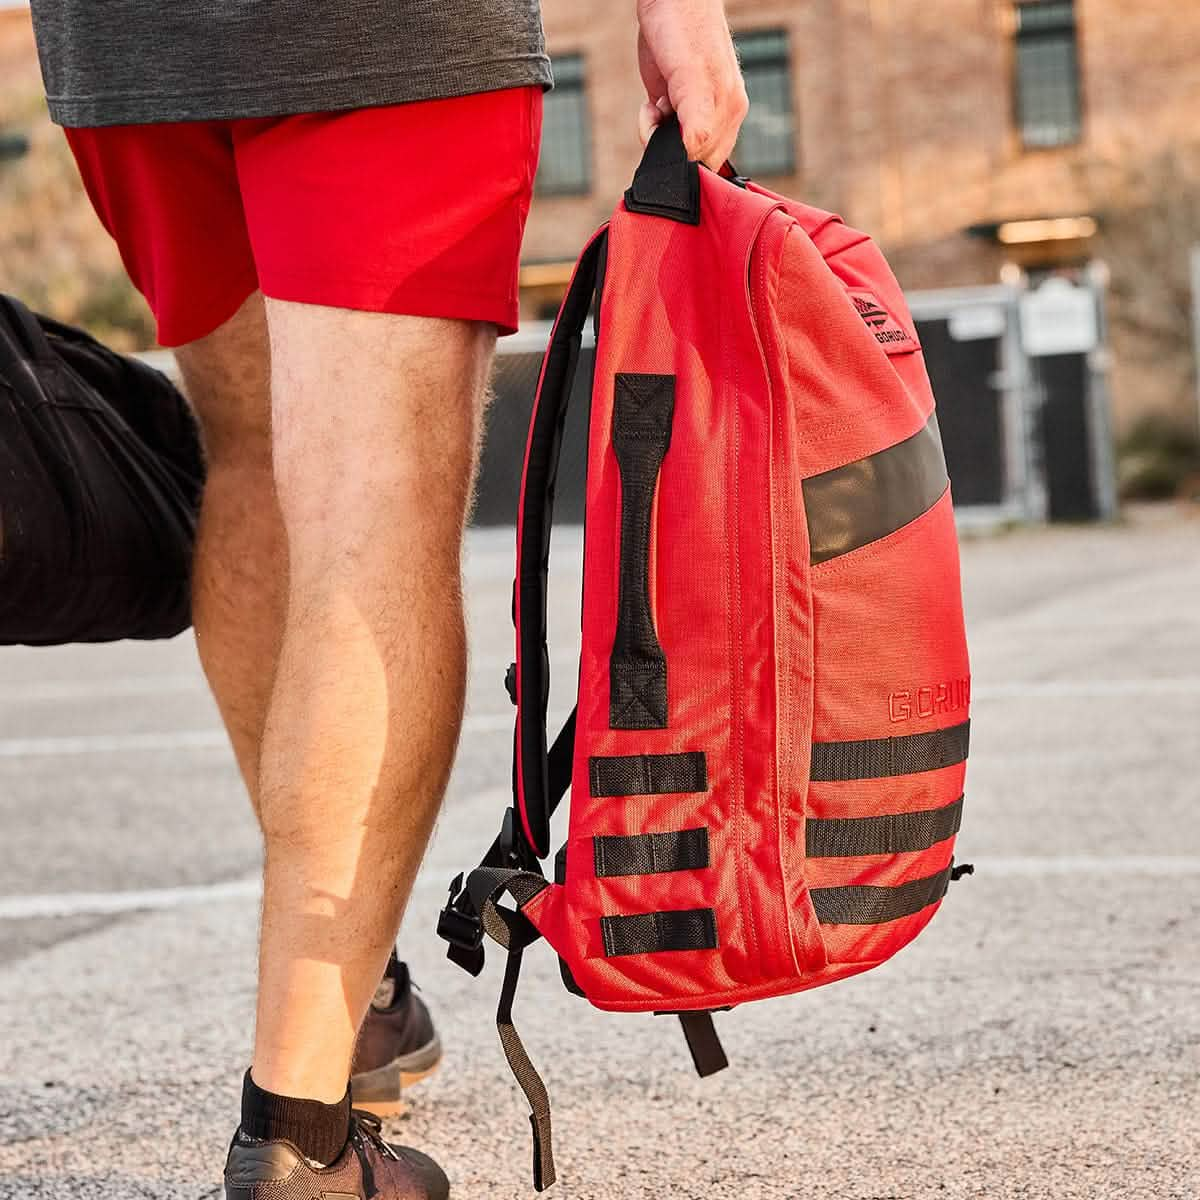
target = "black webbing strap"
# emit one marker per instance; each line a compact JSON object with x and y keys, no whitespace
{"x":896,"y":833}
{"x":536,"y":513}
{"x":648,"y":774}
{"x":653,"y":932}
{"x":514,"y":932}
{"x":526,"y":1075}
{"x":707,"y":1052}
{"x":650,"y":853}
{"x":880,"y":758}
{"x":878,"y":905}
{"x":643,"y":406}
{"x":559,"y":762}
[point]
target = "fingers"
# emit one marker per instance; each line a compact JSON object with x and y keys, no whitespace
{"x":703,"y":145}
{"x":650,"y":116}
{"x":686,"y":58}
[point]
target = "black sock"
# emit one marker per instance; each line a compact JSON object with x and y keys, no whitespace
{"x":317,"y":1130}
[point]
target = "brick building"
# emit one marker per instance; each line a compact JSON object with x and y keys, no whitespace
{"x":971,"y":137}
{"x":964,"y":134}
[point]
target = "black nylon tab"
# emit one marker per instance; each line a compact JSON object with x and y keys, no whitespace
{"x":648,"y":774}
{"x":896,"y":833}
{"x":643,"y":406}
{"x":666,"y":184}
{"x":708,"y":1054}
{"x":649,"y":933}
{"x":878,"y":905}
{"x":651,"y":853}
{"x":859,"y":503}
{"x":881,"y":758}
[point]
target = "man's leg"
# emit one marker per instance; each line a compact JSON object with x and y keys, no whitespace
{"x":240,"y":573}
{"x":375,"y":424}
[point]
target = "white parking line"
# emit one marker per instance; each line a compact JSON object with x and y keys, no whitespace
{"x":1149,"y":864}
{"x":77,"y":904}
{"x":1085,"y":688}
{"x":98,"y":689}
{"x":95,"y":904}
{"x":182,"y":739}
{"x":116,"y":743}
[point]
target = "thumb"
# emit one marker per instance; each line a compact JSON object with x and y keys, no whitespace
{"x":697,"y":119}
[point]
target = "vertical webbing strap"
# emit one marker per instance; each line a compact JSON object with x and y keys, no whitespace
{"x":512,"y":930}
{"x":643,"y":406}
{"x":525,"y":1073}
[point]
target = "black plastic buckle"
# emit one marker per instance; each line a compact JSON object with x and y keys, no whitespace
{"x":459,"y":928}
{"x":510,"y":682}
{"x":462,"y":929}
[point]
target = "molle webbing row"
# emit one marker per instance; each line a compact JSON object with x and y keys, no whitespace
{"x":895,"y":833}
{"x":878,"y":905}
{"x":881,"y":758}
{"x":647,"y":774}
{"x":651,"y":853}
{"x":647,"y":933}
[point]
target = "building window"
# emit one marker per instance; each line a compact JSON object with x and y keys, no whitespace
{"x":766,"y":144}
{"x":1047,"y":74}
{"x":565,"y":165}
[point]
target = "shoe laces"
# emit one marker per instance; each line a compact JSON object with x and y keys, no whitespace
{"x":366,"y":1132}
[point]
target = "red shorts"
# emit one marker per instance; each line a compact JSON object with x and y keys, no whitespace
{"x":411,"y":208}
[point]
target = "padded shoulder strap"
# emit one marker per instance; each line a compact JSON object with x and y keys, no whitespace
{"x":534,"y":518}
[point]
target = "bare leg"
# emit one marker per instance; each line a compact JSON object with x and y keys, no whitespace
{"x":240,"y":573}
{"x":375,"y":424}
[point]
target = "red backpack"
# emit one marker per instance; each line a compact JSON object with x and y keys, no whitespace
{"x":767,"y":756}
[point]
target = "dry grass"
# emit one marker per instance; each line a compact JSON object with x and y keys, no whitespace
{"x":54,"y":254}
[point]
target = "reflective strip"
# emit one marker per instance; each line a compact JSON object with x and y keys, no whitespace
{"x":648,"y":933}
{"x":866,"y":500}
{"x":651,"y":853}
{"x":877,"y":905}
{"x":648,"y":774}
{"x":880,"y":758}
{"x":897,"y":833}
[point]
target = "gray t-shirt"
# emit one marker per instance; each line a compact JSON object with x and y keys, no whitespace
{"x":115,"y":62}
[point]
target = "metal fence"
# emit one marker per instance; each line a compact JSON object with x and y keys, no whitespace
{"x":1022,"y":405}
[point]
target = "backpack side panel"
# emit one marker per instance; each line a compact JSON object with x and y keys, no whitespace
{"x":887,"y":634}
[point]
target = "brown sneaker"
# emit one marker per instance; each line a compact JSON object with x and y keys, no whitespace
{"x":397,"y":1046}
{"x":367,"y":1167}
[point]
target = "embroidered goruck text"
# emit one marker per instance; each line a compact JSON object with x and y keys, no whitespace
{"x":889,"y":333}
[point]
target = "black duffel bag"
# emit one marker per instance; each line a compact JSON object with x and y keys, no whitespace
{"x":100,"y":479}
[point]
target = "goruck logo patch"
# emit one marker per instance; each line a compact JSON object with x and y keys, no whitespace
{"x":889,"y":333}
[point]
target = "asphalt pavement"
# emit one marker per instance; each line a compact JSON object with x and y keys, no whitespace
{"x":1041,"y":1039}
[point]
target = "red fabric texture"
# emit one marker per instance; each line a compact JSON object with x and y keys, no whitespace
{"x":409,"y":208}
{"x":778,"y":377}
